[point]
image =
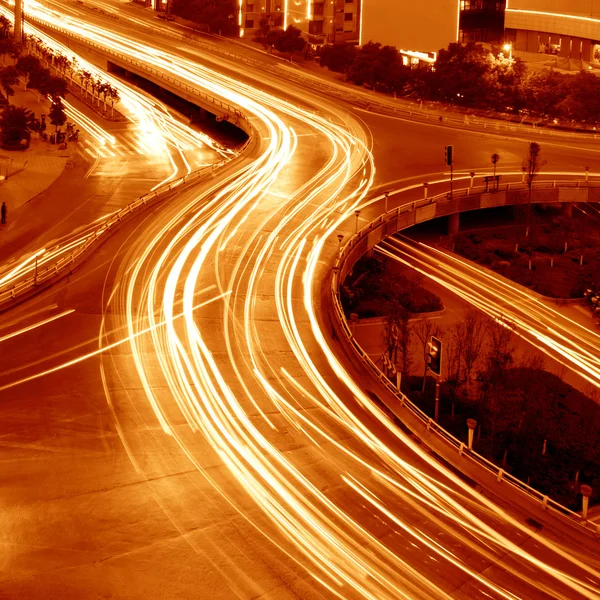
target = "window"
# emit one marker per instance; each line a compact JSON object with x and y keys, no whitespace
{"x":318,"y":10}
{"x":249,"y":7}
{"x":249,"y":24}
{"x":348,"y":16}
{"x":315,"y":27}
{"x":349,"y":1}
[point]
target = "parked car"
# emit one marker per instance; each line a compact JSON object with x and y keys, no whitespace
{"x":165,"y":17}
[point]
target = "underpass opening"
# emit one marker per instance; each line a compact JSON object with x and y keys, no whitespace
{"x":220,"y":130}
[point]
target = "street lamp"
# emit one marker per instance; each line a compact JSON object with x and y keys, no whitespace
{"x":508,"y":48}
{"x":356,"y":214}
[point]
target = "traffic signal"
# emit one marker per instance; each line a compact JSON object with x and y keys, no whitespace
{"x":434,"y":356}
{"x":449,"y":155}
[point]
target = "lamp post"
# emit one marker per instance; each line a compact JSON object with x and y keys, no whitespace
{"x":508,"y":48}
{"x":385,"y":206}
{"x":340,"y":237}
{"x":586,"y":492}
{"x":471,"y":424}
{"x":356,"y":214}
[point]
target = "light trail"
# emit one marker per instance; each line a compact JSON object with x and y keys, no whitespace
{"x":265,"y":234}
{"x":555,"y":334}
{"x":13,"y":334}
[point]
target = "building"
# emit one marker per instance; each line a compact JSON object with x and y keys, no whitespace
{"x":429,"y":26}
{"x":322,"y":21}
{"x":567,"y":28}
{"x":481,"y":21}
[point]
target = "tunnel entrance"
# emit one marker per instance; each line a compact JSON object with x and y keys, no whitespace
{"x":223,"y":132}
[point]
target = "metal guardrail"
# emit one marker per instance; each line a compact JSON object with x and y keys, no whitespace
{"x":432,"y":427}
{"x":49,"y":271}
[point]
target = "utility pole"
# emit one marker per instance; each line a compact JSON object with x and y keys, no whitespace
{"x":18,"y":34}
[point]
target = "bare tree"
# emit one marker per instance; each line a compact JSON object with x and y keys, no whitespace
{"x":424,"y":329}
{"x":498,"y":360}
{"x":532,"y":166}
{"x":397,"y":336}
{"x":454,"y":358}
{"x":472,"y":333}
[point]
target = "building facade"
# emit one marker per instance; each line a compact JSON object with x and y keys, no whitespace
{"x":567,"y":28}
{"x":411,"y":26}
{"x":481,"y":21}
{"x":322,"y":21}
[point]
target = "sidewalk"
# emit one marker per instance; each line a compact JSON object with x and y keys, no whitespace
{"x":24,"y":175}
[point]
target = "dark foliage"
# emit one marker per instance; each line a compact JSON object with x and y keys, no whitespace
{"x":218,"y":15}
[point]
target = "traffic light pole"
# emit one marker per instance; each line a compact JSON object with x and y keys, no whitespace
{"x":451,"y":178}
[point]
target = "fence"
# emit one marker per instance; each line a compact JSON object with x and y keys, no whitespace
{"x":36,"y":278}
{"x":387,"y":224}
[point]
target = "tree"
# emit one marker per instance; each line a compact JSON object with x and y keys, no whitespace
{"x":582,"y":102}
{"x":57,"y":114}
{"x":498,"y":360}
{"x":263,"y":30}
{"x":338,"y":58}
{"x":460,"y":74}
{"x":39,"y":79}
{"x":290,"y":41}
{"x":454,"y":353}
{"x":473,"y":335}
{"x":7,"y":46}
{"x":15,"y":123}
{"x":26,"y":65}
{"x":424,"y":329}
{"x":86,"y":79}
{"x":372,"y":65}
{"x":503,"y":82}
{"x":56,"y":88}
{"x":543,"y":92}
{"x":9,"y":76}
{"x":531,"y":165}
{"x":397,"y":77}
{"x":272,"y":37}
{"x":218,"y":15}
{"x":113,"y":95}
{"x":398,"y":335}
{"x":4,"y":27}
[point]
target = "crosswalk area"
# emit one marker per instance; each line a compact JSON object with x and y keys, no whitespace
{"x":127,"y":143}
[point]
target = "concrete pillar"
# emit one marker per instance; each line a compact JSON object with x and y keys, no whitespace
{"x":18,"y":33}
{"x":453,"y":223}
{"x":567,"y":209}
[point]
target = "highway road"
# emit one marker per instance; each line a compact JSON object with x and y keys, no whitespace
{"x":566,"y":340}
{"x":177,"y":421}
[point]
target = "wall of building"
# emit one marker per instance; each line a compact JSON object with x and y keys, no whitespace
{"x":323,"y":21}
{"x":569,"y":28}
{"x":422,"y":26}
{"x":580,"y":8}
